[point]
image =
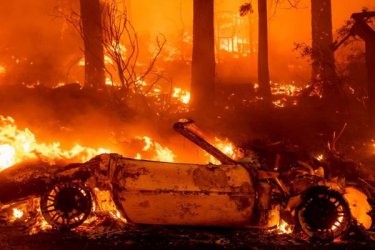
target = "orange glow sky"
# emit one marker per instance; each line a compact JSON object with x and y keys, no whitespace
{"x":27,"y":29}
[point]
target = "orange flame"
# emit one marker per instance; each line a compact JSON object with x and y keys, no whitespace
{"x":40,"y":225}
{"x":181,"y":95}
{"x":18,"y":145}
{"x":162,"y":153}
{"x":226,"y":147}
{"x":2,"y":70}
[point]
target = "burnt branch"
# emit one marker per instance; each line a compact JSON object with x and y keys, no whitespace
{"x":246,"y":8}
{"x":122,"y":46}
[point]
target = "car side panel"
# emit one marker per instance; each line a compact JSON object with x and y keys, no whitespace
{"x":183,"y":194}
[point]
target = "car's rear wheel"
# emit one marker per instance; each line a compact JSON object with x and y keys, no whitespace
{"x":66,"y":205}
{"x":324,"y":214}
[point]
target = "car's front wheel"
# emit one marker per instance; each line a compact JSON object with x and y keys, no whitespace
{"x":66,"y":205}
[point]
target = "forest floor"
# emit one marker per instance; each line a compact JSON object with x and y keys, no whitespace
{"x":15,"y":237}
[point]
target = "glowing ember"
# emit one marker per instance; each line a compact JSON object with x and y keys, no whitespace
{"x":60,"y":84}
{"x":116,"y":215}
{"x":17,"y":213}
{"x":319,"y":158}
{"x":82,"y":62}
{"x":19,"y":145}
{"x":352,"y":90}
{"x":181,"y":95}
{"x":256,"y":87}
{"x":287,"y":89}
{"x":157,"y":90}
{"x":278,"y":104}
{"x":2,"y":70}
{"x":337,"y":224}
{"x":284,"y":228}
{"x":40,"y":225}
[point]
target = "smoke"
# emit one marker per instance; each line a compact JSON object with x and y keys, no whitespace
{"x":35,"y":46}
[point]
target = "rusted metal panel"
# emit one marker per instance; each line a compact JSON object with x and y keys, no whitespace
{"x":183,"y":194}
{"x":268,"y":212}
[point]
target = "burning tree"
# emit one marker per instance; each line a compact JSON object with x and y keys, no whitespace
{"x":117,"y":29}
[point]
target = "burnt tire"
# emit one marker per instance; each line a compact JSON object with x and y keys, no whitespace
{"x":324,"y":215}
{"x":66,"y":205}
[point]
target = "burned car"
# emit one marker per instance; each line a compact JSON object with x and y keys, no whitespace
{"x":233,"y":194}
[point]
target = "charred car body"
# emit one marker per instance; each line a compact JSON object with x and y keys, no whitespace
{"x":234,"y":194}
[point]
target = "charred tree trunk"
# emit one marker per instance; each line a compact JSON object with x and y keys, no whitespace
{"x":364,"y":31}
{"x":94,"y":51}
{"x":203,"y":64}
{"x":370,"y":61}
{"x":263,"y":72}
{"x":323,"y":60}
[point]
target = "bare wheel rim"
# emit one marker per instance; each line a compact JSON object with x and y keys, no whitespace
{"x":324,"y":214}
{"x":66,"y":205}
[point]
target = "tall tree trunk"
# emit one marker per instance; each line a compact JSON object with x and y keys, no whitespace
{"x":323,"y":65}
{"x":94,"y":51}
{"x":263,"y":72}
{"x":203,"y":64}
{"x":370,"y":61}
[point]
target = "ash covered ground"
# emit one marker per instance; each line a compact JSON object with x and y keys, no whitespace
{"x":16,"y":237}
